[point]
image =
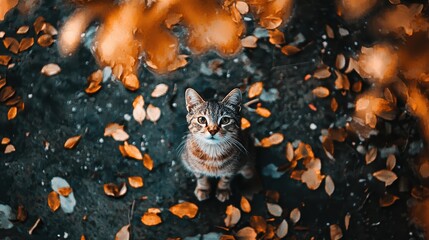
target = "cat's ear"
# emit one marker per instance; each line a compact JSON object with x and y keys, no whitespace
{"x":192,"y":99}
{"x":233,"y":98}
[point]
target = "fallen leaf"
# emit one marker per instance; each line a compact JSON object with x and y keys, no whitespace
{"x":347,"y":221}
{"x":25,"y":44}
{"x":153,"y":113}
{"x":322,"y":73}
{"x":242,"y":7}
{"x":9,"y":149}
{"x":11,"y":114}
{"x":258,"y":223}
{"x":111,"y":189}
{"x":45,"y":40}
{"x":357,"y":86}
{"x":387,"y":200}
{"x":270,"y":22}
{"x":187,"y":209}
{"x":295,"y":215}
{"x":12,"y":44}
{"x":386,"y":176}
{"x":6,"y":93}
{"x":50,"y":69}
{"x":65,"y":191}
{"x":329,"y":185}
{"x":6,"y":6}
{"x":391,"y":162}
{"x":49,"y":29}
{"x":72,"y":142}
{"x":249,"y":41}
{"x":370,"y":155}
{"x":92,"y":88}
{"x":39,"y":24}
{"x":274,"y":209}
{"x":135,"y":181}
{"x":131,"y":82}
{"x":276,"y":37}
{"x":342,"y":81}
{"x":312,"y":178}
{"x":321,"y":92}
{"x":290,"y":50}
{"x":227,"y":237}
{"x":289,"y":152}
{"x":116,"y":131}
{"x":263,"y":112}
{"x":4,"y":60}
{"x":151,"y":218}
{"x":23,"y":29}
{"x":273,"y":139}
{"x":123,"y":233}
{"x":329,"y":32}
{"x":147,"y":162}
{"x":255,"y":89}
{"x":245,"y":205}
{"x":340,"y":61}
{"x":5,"y":141}
{"x":160,"y":90}
{"x":282,"y":230}
{"x":335,"y":232}
{"x":244,"y":123}
{"x":53,"y":201}
{"x":21,"y":214}
{"x":132,"y":151}
{"x":139,"y":113}
{"x":233,"y":215}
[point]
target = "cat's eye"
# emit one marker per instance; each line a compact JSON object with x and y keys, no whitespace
{"x":202,"y":120}
{"x":225,"y":120}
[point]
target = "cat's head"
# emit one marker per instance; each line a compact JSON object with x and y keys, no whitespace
{"x":211,"y":121}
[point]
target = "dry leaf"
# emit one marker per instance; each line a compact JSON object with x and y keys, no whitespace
{"x":245,"y":205}
{"x":242,"y":7}
{"x":6,"y":93}
{"x":4,"y":60}
{"x":255,"y":89}
{"x":289,"y":152}
{"x":22,"y":30}
{"x":9,"y":149}
{"x":25,"y":44}
{"x":335,"y":232}
{"x":244,"y":123}
{"x":92,"y":88}
{"x":272,"y":196}
{"x":139,"y":100}
{"x":147,"y":161}
{"x":65,"y":191}
{"x":160,"y":90}
{"x":258,"y":223}
{"x":111,"y":189}
{"x":132,"y":151}
{"x":153,"y":113}
{"x":12,"y":44}
{"x":49,"y":29}
{"x":290,"y":50}
{"x":340,"y":61}
{"x":131,"y":82}
{"x":322,"y":73}
{"x":387,"y":200}
{"x":329,"y":185}
{"x":151,"y":218}
{"x":329,"y":32}
{"x":270,"y":22}
{"x":72,"y":142}
{"x":342,"y":81}
{"x":139,"y":113}
{"x":116,"y":131}
{"x":50,"y":69}
{"x":274,"y":139}
{"x":53,"y":201}
{"x":295,"y":215}
{"x":246,"y":233}
{"x":135,"y":181}
{"x":347,"y":221}
{"x":11,"y":114}
{"x":249,"y":42}
{"x":263,"y":112}
{"x":39,"y":24}
{"x":282,"y":230}
{"x":21,"y":214}
{"x":371,"y":155}
{"x":312,"y":178}
{"x":123,"y":233}
{"x":357,"y":86}
{"x":45,"y":40}
{"x":386,"y":176}
{"x":276,"y":37}
{"x":274,"y":209}
{"x":5,"y":141}
{"x":184,"y":209}
{"x":321,"y":92}
{"x":391,"y":162}
{"x":233,"y":215}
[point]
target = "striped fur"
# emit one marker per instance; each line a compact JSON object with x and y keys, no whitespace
{"x":215,"y":146}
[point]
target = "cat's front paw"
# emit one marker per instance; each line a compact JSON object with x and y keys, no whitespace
{"x":223,"y":194}
{"x":202,"y":194}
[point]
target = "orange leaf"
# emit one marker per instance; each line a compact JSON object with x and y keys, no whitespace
{"x":335,"y":232}
{"x":159,"y":91}
{"x":270,"y":22}
{"x":45,"y":40}
{"x":263,"y":112}
{"x":274,"y":209}
{"x":139,"y":113}
{"x":233,"y":215}
{"x":5,"y":141}
{"x":258,"y":223}
{"x":116,"y":131}
{"x":147,"y":161}
{"x":245,"y":205}
{"x":135,"y":182}
{"x":151,"y":218}
{"x":282,"y":229}
{"x":322,"y":73}
{"x":289,"y":50}
{"x":312,"y":178}
{"x":244,"y":123}
{"x":132,"y":151}
{"x":25,"y":44}
{"x":242,"y":7}
{"x":388,"y":200}
{"x":50,"y":69}
{"x":111,"y":189}
{"x":131,"y":82}
{"x":153,"y":113}
{"x":4,"y":60}
{"x":386,"y":176}
{"x":11,"y":114}
{"x":391,"y":162}
{"x":65,"y":191}
{"x":295,"y":215}
{"x":184,"y":209}
{"x":72,"y":142}
{"x":321,"y":92}
{"x":123,"y":233}
{"x":276,"y":37}
{"x":246,"y":233}
{"x":9,"y":149}
{"x":249,"y":42}
{"x":329,"y":185}
{"x":53,"y":201}
{"x":255,"y":89}
{"x":274,"y":139}
{"x":371,"y":155}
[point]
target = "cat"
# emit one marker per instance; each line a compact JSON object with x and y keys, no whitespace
{"x":215,"y":145}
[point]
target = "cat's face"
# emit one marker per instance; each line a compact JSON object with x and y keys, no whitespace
{"x":213,"y":122}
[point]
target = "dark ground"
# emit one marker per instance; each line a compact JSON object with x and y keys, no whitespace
{"x":59,"y":108}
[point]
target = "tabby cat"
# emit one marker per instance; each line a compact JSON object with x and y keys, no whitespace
{"x":215,"y":145}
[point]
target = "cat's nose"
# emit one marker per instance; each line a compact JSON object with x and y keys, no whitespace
{"x":213,"y":131}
